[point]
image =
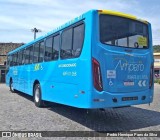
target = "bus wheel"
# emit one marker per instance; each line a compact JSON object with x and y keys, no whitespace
{"x":37,"y":96}
{"x":11,"y":86}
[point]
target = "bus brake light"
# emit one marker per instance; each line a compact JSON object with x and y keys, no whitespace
{"x":97,"y":78}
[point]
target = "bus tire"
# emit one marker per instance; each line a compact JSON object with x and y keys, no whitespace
{"x":11,"y":86}
{"x":37,"y":96}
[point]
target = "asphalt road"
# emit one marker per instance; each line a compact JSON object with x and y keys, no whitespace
{"x":18,"y":112}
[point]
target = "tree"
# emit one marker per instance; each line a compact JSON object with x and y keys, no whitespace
{"x":156,"y":48}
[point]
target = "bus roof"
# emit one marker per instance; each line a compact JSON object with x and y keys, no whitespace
{"x":109,"y":12}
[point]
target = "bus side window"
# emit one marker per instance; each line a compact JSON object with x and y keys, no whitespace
{"x":78,"y":38}
{"x":55,"y":54}
{"x":66,"y":47}
{"x":48,"y":49}
{"x":27,"y":56}
{"x":31,"y":55}
{"x":41,"y":51}
{"x":15,"y":59}
{"x":24,"y":55}
{"x":12,"y":61}
{"x":20,"y":57}
{"x":36,"y":53}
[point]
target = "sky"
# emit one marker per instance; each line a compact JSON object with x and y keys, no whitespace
{"x":18,"y":17}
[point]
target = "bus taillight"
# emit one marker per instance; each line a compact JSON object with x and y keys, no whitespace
{"x":97,"y":78}
{"x":151,"y":76}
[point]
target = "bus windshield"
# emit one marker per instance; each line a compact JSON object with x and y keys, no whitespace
{"x":123,"y":32}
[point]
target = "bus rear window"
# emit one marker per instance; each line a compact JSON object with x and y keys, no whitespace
{"x":123,"y":32}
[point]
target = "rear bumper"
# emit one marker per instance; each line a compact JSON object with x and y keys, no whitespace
{"x":105,"y":99}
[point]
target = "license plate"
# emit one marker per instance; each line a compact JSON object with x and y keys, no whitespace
{"x":129,"y":98}
{"x":128,"y":83}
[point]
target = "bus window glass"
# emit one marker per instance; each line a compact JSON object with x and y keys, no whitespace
{"x":66,"y":48}
{"x":36,"y":53}
{"x":41,"y":51}
{"x":56,"y":47}
{"x":8,"y":60}
{"x":48,"y":50}
{"x":16,"y":59}
{"x":24,"y":55}
{"x":20,"y":57}
{"x":11,"y":60}
{"x":78,"y":37}
{"x":31,"y":55}
{"x":123,"y":32}
{"x":27,"y":56}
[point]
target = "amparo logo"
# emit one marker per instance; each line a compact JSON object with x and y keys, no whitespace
{"x":125,"y":66}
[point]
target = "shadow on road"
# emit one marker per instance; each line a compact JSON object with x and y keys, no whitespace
{"x":24,"y":95}
{"x":117,"y":119}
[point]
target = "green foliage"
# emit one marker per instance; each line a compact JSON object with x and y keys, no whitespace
{"x":157,"y":81}
{"x":156,"y":48}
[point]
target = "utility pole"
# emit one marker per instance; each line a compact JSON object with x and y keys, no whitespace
{"x":35,"y":30}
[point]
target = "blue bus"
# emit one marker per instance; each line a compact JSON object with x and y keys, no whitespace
{"x":100,"y":59}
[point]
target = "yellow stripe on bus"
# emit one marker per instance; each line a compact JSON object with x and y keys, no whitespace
{"x":109,"y":12}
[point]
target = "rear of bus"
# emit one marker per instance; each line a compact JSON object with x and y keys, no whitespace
{"x":122,"y":60}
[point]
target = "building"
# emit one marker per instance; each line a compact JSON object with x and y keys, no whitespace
{"x":157,"y":65}
{"x":4,"y":49}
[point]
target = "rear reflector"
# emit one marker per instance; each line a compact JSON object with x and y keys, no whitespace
{"x":97,"y":78}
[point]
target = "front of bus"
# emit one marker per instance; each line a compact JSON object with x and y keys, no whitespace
{"x":122,"y":60}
